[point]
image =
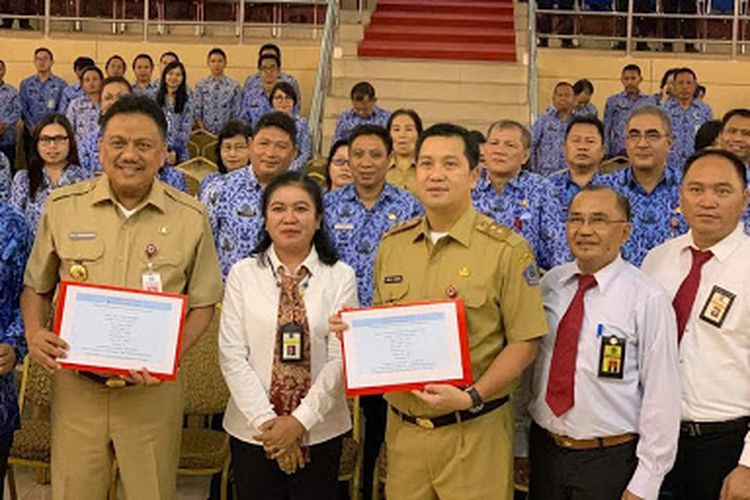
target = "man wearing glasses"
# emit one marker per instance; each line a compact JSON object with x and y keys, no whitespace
{"x":651,"y":187}
{"x":605,"y":386}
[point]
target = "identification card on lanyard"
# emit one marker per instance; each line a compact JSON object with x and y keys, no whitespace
{"x":151,"y":281}
{"x":612,"y":357}
{"x":292,"y":342}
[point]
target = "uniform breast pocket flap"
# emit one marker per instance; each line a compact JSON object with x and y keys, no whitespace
{"x":81,"y":250}
{"x":473,"y":298}
{"x":394,"y":289}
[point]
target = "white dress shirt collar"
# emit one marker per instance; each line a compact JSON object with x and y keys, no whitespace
{"x":603,"y":276}
{"x":721,"y":250}
{"x":311,"y":262}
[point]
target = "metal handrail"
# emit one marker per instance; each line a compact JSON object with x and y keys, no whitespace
{"x":323,"y":75}
{"x":533,"y":80}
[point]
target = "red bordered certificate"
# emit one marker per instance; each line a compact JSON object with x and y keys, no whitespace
{"x":404,"y":347}
{"x":114,"y":330}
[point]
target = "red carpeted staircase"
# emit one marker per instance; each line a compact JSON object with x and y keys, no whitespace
{"x":441,"y":29}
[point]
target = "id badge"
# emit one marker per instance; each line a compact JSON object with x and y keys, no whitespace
{"x":717,"y":306}
{"x":151,"y":281}
{"x":612,"y":357}
{"x":291,"y":342}
{"x":51,"y":104}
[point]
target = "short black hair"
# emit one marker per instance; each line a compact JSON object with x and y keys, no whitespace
{"x":632,"y":67}
{"x":471,"y":148}
{"x":231,"y":129}
{"x":586,"y":120}
{"x":217,"y":51}
{"x":741,"y":112}
{"x":372,"y":129}
{"x":136,"y":104}
{"x":739,"y":167}
{"x":563,"y":84}
{"x":280,"y":121}
{"x":272,"y":47}
{"x":707,"y":134}
{"x":143,"y":56}
{"x":272,"y":57}
{"x":286,"y":88}
{"x":116,"y":79}
{"x":700,"y":90}
{"x":623,"y":204}
{"x":94,"y":69}
{"x":687,"y":70}
{"x":360,"y":90}
{"x":113,"y":58}
{"x":320,"y":241}
{"x":512,"y":124}
{"x":666,"y":75}
{"x":331,"y":153}
{"x":82,"y":62}
{"x":583,"y":85}
{"x":411,"y":114}
{"x":477,"y":137}
{"x":44,"y":49}
{"x":169,"y":53}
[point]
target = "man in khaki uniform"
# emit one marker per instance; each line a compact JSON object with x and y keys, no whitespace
{"x":119,"y":229}
{"x":445,"y":442}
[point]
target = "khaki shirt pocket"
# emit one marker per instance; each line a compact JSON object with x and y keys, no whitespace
{"x":86,"y":253}
{"x":393,"y":293}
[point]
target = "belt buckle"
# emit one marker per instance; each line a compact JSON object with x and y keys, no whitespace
{"x":693,"y":429}
{"x":425,"y":423}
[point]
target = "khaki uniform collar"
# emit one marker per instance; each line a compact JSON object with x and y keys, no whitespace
{"x":460,"y":232}
{"x":103,"y":192}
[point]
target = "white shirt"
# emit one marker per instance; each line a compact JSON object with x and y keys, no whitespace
{"x":629,"y":305}
{"x":247,"y":338}
{"x":714,"y":361}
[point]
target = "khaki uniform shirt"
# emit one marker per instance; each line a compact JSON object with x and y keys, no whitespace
{"x":83,"y":226}
{"x":484,"y":263}
{"x":404,"y":179}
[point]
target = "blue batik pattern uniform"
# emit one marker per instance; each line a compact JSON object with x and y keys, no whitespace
{"x":527,"y":206}
{"x":217,"y":102}
{"x":254,"y":82}
{"x":10,"y":112}
{"x":349,"y":119}
{"x":255,"y":104}
{"x":39,"y":98}
{"x":304,"y":145}
{"x":588,"y":110}
{"x":83,"y":115}
{"x":149,"y":91}
{"x":656,"y":217}
{"x":32,"y":208}
{"x":179,"y":126}
{"x":355,"y":230}
{"x":565,"y":189}
{"x":206,"y":192}
{"x":685,"y":123}
{"x":72,"y":91}
{"x":616,"y":113}
{"x":5,"y":178}
{"x":548,"y":142}
{"x":236,"y":216}
{"x":15,"y":245}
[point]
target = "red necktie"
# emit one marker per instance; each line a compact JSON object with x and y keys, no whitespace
{"x":560,"y":395}
{"x":683,"y":300}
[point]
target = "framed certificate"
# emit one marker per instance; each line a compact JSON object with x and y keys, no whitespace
{"x":114,"y":330}
{"x":404,"y":347}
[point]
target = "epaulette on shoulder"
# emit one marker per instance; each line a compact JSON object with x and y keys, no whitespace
{"x":184,"y":199}
{"x":402,"y":226}
{"x":76,"y":189}
{"x":497,"y":231}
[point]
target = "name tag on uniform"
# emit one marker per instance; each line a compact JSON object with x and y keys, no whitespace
{"x":612,"y":357}
{"x":341,"y":226}
{"x":717,"y":306}
{"x":82,"y":235}
{"x":291,"y":342}
{"x":393,"y":279}
{"x":151,"y":282}
{"x":51,"y":104}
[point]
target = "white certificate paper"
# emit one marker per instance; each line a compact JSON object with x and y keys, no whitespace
{"x":115,"y":330}
{"x":405,"y":347}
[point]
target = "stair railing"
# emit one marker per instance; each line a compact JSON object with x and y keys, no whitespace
{"x":532,"y":85}
{"x":323,"y":75}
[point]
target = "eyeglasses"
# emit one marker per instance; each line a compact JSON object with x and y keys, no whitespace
{"x":596,"y":222}
{"x":340,"y":162}
{"x":649,"y":135}
{"x":53,"y":139}
{"x":282,"y":98}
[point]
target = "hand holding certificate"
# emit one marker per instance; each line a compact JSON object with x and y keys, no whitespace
{"x":404,"y":347}
{"x":116,"y":330}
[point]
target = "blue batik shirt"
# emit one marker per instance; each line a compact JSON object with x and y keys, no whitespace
{"x":179,"y":126}
{"x":149,"y":91}
{"x":32,"y":207}
{"x":72,"y":91}
{"x":5,"y":178}
{"x":10,"y":112}
{"x":349,"y":119}
{"x":39,"y":98}
{"x":206,"y":192}
{"x":527,"y":206}
{"x":588,"y":110}
{"x":83,"y":114}
{"x":15,"y":245}
{"x":254,"y":81}
{"x":255,"y":104}
{"x":656,"y":216}
{"x":616,"y":113}
{"x":355,"y":230}
{"x":548,"y":142}
{"x":565,"y":189}
{"x":304,"y":145}
{"x":236,"y":216}
{"x":216,"y":102}
{"x":685,"y":123}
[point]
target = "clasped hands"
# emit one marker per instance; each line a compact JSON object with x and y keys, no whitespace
{"x":280,"y":438}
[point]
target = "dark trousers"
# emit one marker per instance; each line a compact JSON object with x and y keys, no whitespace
{"x":23,"y":7}
{"x":702,"y":464}
{"x":642,"y":27}
{"x":5,"y":443}
{"x":679,"y":28}
{"x":255,"y":476}
{"x":561,"y":474}
{"x":564,"y":23}
{"x":375,"y":410}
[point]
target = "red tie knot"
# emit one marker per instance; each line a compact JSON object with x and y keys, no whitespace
{"x":701,"y":257}
{"x":585,"y":282}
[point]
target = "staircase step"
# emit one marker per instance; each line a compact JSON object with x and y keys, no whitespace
{"x":466,"y":20}
{"x":453,"y":6}
{"x":440,"y":34}
{"x":435,"y":50}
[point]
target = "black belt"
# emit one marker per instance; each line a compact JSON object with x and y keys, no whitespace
{"x":450,"y":418}
{"x":111,"y":382}
{"x":693,"y":429}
